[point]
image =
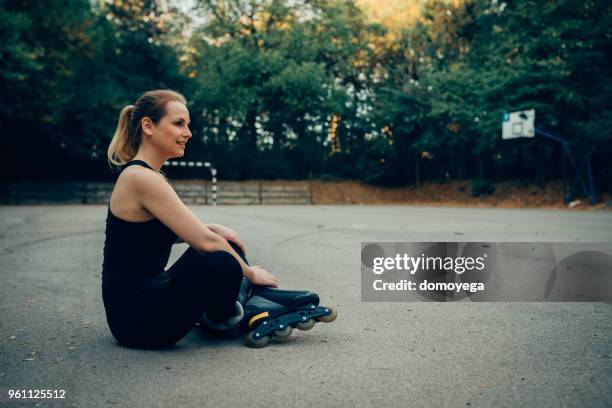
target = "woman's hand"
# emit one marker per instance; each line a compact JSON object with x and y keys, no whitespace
{"x":227,"y":233}
{"x":260,"y":276}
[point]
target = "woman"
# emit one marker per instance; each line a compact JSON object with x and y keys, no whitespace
{"x":147,"y":306}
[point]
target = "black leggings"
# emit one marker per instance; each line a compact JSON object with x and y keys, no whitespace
{"x":199,"y":283}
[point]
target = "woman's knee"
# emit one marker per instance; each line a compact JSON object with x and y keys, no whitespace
{"x":225,"y":265}
{"x":196,"y":269}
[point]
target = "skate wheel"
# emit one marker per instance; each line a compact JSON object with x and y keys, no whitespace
{"x":328,"y":318}
{"x":284,"y":334}
{"x":255,"y":342}
{"x":307,"y":325}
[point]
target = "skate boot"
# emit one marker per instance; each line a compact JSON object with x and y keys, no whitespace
{"x":231,"y":327}
{"x":289,"y":298}
{"x":273,"y":313}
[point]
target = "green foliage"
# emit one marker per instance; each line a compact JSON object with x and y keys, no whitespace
{"x":266,"y":81}
{"x":482,"y":187}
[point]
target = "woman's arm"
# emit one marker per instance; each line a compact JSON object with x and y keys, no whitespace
{"x":229,"y":234}
{"x":226,"y":232}
{"x":158,"y":197}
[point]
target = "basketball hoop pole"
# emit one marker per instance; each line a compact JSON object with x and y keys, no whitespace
{"x":585,"y":161}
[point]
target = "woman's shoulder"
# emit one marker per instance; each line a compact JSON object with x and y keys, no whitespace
{"x":137,"y":177}
{"x":132,"y":185}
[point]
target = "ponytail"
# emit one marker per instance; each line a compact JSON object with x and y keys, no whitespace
{"x":126,"y":140}
{"x":124,"y":146}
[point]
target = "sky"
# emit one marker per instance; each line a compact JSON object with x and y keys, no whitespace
{"x":392,"y":13}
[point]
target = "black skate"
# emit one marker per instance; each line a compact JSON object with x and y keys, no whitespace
{"x":274,"y":313}
{"x":232,"y":326}
{"x":265,"y":312}
{"x":288,"y":298}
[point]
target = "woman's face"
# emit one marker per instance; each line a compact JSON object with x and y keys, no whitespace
{"x":172,"y":132}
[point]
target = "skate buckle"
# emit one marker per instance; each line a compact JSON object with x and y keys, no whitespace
{"x":258,"y":317}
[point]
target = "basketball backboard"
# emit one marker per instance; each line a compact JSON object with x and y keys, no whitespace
{"x":518,"y":124}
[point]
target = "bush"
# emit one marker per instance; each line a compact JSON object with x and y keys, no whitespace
{"x":482,"y":186}
{"x":329,"y":177}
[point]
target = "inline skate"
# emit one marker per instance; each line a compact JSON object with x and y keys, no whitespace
{"x":264,"y":312}
{"x":233,"y":325}
{"x":273,"y":313}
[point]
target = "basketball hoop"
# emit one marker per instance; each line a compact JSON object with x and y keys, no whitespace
{"x":522,"y":124}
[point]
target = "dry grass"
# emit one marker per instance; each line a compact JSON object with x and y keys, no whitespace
{"x":456,"y":193}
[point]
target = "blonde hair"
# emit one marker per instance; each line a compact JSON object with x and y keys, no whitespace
{"x":126,"y":140}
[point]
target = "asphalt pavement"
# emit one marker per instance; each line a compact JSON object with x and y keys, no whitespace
{"x":53,"y":332}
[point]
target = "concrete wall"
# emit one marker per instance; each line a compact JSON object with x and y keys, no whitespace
{"x":191,"y":192}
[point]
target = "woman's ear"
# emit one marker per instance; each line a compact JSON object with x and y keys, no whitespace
{"x":147,"y":126}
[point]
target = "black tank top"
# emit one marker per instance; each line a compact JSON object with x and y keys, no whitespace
{"x":135,"y":253}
